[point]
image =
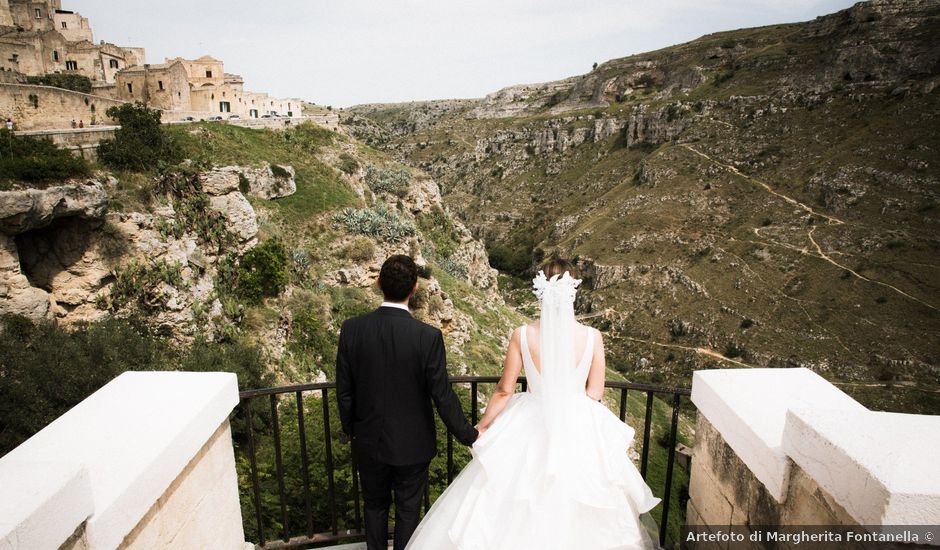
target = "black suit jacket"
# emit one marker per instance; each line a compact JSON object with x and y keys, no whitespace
{"x":389,"y":369}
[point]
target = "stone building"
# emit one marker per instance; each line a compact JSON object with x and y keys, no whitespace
{"x":39,"y":37}
{"x":202,"y":86}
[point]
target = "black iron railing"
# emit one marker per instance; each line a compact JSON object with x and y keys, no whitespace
{"x":276,"y":514}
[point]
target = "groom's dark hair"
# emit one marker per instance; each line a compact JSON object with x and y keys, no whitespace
{"x":398,"y":277}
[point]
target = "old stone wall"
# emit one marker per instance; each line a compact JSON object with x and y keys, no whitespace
{"x":41,"y":107}
{"x":723,"y":491}
{"x":782,"y":454}
{"x":80,"y":141}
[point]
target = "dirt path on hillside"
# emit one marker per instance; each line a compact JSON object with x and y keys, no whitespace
{"x":819,"y":251}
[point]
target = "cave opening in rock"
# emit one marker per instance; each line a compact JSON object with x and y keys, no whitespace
{"x":66,"y":255}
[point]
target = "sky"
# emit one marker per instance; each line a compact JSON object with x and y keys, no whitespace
{"x":347,"y":52}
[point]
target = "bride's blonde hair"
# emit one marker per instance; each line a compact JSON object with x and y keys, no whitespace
{"x":558,"y":266}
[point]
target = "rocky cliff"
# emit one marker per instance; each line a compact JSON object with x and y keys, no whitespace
{"x":170,"y":246}
{"x":760,"y":197}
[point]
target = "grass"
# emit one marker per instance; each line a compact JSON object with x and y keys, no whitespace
{"x":320,"y":187}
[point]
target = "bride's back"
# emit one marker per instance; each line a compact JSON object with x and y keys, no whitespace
{"x":533,"y":336}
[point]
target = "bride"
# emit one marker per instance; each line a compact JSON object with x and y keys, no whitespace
{"x":550,"y":468}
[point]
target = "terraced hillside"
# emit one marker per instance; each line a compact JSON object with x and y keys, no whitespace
{"x":758,"y":198}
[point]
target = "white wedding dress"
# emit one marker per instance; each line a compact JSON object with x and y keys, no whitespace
{"x":552,"y":470}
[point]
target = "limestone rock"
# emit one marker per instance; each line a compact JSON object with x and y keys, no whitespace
{"x":17,"y":295}
{"x":25,"y":209}
{"x":472,"y":254}
{"x":264,"y":183}
{"x":239,"y":215}
{"x":220,"y":181}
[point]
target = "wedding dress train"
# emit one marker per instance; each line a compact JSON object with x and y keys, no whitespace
{"x":567,"y":484}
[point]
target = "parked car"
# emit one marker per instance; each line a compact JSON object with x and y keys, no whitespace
{"x":188,"y":119}
{"x":231,"y":117}
{"x":214,"y":118}
{"x":267,"y":116}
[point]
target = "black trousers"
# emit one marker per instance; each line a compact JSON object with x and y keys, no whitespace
{"x":379,"y":481}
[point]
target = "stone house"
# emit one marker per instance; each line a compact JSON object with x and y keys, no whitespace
{"x":39,"y":37}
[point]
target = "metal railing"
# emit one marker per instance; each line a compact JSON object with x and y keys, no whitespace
{"x":291,"y":536}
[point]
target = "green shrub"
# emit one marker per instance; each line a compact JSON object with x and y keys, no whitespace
{"x":262,"y":272}
{"x":312,"y":343}
{"x":439,"y":228}
{"x":360,"y":249}
{"x":74,"y":82}
{"x":348,"y":164}
{"x":395,"y":182}
{"x":454,"y":268}
{"x":46,"y":370}
{"x":246,"y":360}
{"x":722,"y":77}
{"x":309,"y":137}
{"x":733,"y":350}
{"x":141,"y":144}
{"x":37,"y":160}
{"x":142,"y":283}
{"x":515,"y":259}
{"x":379,"y":222}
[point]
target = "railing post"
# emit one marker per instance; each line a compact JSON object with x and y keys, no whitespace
{"x":473,"y":402}
{"x":278,"y":463}
{"x":302,"y":432}
{"x":623,"y":404}
{"x":673,"y":429}
{"x":256,"y":488}
{"x":329,"y":459}
{"x":646,"y":433}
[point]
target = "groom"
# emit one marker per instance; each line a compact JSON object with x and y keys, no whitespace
{"x":389,"y":368}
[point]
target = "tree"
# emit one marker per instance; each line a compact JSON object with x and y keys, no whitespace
{"x":140,"y":144}
{"x":595,"y":66}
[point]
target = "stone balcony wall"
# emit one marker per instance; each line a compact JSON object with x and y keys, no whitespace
{"x":146,"y":462}
{"x":784,"y":448}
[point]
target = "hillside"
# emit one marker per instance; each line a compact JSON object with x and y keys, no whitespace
{"x":756,"y":198}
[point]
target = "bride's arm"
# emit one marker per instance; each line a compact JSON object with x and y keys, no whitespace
{"x":512,"y":366}
{"x":595,"y":381}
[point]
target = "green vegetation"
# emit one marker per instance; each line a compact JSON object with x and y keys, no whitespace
{"x":143,"y":284}
{"x":45,"y":370}
{"x":381,"y":222}
{"x":36,"y":161}
{"x":141,"y":144}
{"x":192,"y":210}
{"x":320,"y":187}
{"x":515,"y":258}
{"x":438,"y":227}
{"x":261,"y":273}
{"x":74,"y":82}
{"x":348,"y":164}
{"x":360,"y":249}
{"x":394,"y":182}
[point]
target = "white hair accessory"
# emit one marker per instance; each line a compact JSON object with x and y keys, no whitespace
{"x":561,"y":289}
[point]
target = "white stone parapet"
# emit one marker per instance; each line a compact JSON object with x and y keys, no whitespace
{"x":883,"y":468}
{"x":880,"y":467}
{"x":100,"y":469}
